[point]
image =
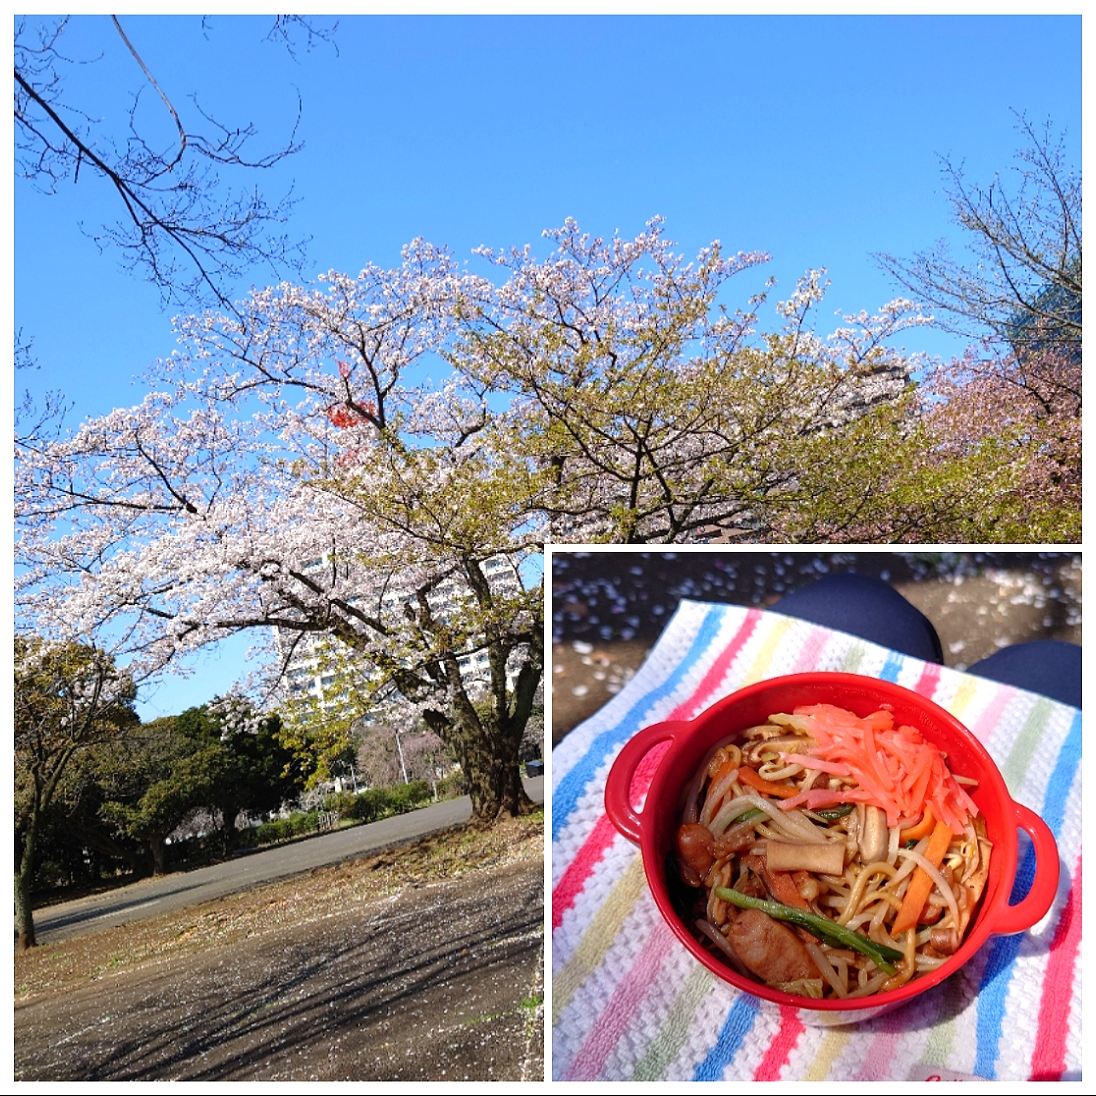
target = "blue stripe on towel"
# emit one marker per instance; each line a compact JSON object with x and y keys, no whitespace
{"x":739,"y":1023}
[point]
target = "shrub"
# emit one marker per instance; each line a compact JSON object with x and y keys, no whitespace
{"x":367,"y":806}
{"x":406,"y":797}
{"x":281,"y":829}
{"x":340,"y":803}
{"x":452,"y":786}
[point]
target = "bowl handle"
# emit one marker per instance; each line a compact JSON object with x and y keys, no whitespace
{"x":1033,"y":907}
{"x":618,"y":788}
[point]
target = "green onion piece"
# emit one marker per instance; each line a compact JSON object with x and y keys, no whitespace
{"x":882,"y":956}
{"x":830,"y":813}
{"x":753,"y":812}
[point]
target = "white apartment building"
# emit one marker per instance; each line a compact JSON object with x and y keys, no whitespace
{"x":312,"y":663}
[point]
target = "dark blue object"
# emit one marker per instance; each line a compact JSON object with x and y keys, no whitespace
{"x":865,"y":607}
{"x":1050,"y":667}
{"x":869,"y":608}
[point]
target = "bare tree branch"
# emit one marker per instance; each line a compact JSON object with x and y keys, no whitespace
{"x":1023,"y":288}
{"x":183,"y":227}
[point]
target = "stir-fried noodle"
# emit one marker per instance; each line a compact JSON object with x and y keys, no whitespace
{"x":832,"y":856}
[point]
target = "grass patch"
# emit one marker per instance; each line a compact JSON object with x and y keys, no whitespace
{"x":486,"y":1018}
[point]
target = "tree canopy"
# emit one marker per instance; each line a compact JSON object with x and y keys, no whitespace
{"x":1017,"y":390}
{"x":221,"y":756}
{"x":182,"y":223}
{"x":284,"y":478}
{"x":371,"y":465}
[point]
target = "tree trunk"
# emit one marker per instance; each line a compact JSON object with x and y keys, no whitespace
{"x":497,"y":789}
{"x":489,"y":761}
{"x":24,"y":876}
{"x":229,"y":812}
{"x":156,"y":844}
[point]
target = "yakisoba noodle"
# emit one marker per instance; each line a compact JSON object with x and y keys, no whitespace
{"x":831,"y":856}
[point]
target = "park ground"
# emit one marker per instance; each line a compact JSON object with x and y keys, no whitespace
{"x":423,"y":962}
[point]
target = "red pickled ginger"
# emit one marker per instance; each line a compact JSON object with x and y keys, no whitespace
{"x":894,"y":767}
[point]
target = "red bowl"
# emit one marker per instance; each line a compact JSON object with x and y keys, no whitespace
{"x":655,"y":827}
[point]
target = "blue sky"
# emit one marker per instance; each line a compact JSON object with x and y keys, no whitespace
{"x":814,"y":138}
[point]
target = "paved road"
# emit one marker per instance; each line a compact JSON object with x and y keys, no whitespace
{"x":151,"y":897}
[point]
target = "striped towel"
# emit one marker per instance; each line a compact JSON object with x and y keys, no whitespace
{"x":628,"y":1001}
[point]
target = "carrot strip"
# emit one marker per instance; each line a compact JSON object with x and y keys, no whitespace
{"x":784,"y":890}
{"x":920,"y":887}
{"x":759,"y":783}
{"x":919,"y":829}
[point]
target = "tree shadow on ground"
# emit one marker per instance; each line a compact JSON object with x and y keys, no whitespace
{"x":422,"y":978}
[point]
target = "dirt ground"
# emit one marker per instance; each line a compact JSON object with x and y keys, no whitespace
{"x":608,"y":608}
{"x":422,"y":963}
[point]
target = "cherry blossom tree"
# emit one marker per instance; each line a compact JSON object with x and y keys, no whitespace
{"x":388,"y":755}
{"x":1023,"y":285}
{"x":655,"y":413}
{"x":1028,"y":405}
{"x":984,"y":450}
{"x":1011,"y":405}
{"x":290,"y":473}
